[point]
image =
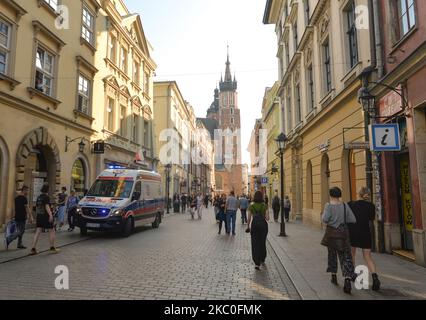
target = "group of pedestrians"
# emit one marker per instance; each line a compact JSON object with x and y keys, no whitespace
{"x":276,"y":207}
{"x":348,"y":228}
{"x":48,"y":216}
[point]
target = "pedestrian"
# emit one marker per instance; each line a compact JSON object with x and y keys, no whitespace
{"x":287,"y":208}
{"x":216,"y":206}
{"x":44,"y":220}
{"x":22,"y":214}
{"x":231,"y":208}
{"x":183,"y":200}
{"x":360,"y":233}
{"x":72,"y":210}
{"x":199,"y":206}
{"x":266,"y":200}
{"x":206,"y":201}
{"x":62,"y":201}
{"x":244,"y":204}
{"x":258,"y":228}
{"x":276,"y":206}
{"x":336,"y":216}
{"x":221,"y":201}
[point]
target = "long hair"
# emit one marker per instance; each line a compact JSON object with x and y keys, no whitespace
{"x":258,"y":197}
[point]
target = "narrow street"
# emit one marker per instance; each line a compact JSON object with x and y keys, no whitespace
{"x":183,"y":259}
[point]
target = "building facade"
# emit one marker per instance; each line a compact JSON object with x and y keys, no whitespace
{"x":258,"y":160}
{"x":122,"y":90}
{"x":401,"y":64}
{"x":72,"y":82}
{"x":271,"y":115}
{"x":41,"y":66}
{"x":320,"y":56}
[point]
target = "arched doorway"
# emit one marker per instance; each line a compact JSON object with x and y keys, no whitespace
{"x":309,"y":187}
{"x":325,"y":180}
{"x":79,"y":176}
{"x":4,"y":179}
{"x":38,"y":162}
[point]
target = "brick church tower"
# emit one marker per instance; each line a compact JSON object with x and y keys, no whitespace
{"x":225,"y":114}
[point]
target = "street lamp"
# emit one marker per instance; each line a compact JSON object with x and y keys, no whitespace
{"x":168,"y":169}
{"x":81,"y":144}
{"x":281,"y":142}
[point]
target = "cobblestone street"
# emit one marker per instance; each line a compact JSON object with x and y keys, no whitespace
{"x":183,"y":259}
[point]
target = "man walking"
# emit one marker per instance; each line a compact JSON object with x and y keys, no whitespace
{"x":183,"y":200}
{"x":287,"y":208}
{"x":276,"y":206}
{"x":244,"y":204}
{"x":62,"y":201}
{"x":22,"y":213}
{"x":199,"y":200}
{"x":231,"y":208}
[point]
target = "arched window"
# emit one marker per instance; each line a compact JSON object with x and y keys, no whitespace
{"x":325,"y":180}
{"x":78,"y":177}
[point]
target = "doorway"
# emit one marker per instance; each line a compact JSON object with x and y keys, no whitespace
{"x":325,"y":180}
{"x":406,"y":206}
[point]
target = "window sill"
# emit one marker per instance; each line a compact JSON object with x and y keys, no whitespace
{"x":53,"y":12}
{"x":34,"y":92}
{"x":311,"y":114}
{"x":12,"y":82}
{"x":136,"y":86}
{"x":146,"y":96}
{"x":395,"y":47}
{"x":327,"y":98}
{"x":78,"y":113}
{"x":88,"y":45}
{"x":350,"y":76}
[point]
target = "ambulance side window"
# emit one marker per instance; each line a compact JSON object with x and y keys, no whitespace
{"x":138,"y":188}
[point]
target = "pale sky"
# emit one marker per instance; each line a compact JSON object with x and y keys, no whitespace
{"x":190,"y":40}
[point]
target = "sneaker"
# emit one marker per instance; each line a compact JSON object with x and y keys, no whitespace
{"x":33,"y":252}
{"x":376,"y":282}
{"x":54,"y":250}
{"x":257,"y":267}
{"x":348,"y":286}
{"x":334,"y":279}
{"x":6,"y":244}
{"x":21,"y":247}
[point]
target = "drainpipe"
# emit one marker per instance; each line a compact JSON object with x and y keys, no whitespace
{"x":378,"y":39}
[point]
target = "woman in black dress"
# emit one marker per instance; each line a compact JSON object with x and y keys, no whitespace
{"x":360,"y":233}
{"x":258,"y":227}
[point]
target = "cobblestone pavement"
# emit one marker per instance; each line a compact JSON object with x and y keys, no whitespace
{"x":183,"y":259}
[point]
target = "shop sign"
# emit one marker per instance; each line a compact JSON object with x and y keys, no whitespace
{"x":265,"y":181}
{"x":385,"y":137}
{"x":406,"y":194}
{"x":357,"y":145}
{"x":99,"y":148}
{"x":390,"y":104}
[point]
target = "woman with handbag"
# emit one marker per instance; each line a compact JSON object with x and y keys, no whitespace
{"x":258,"y":228}
{"x":336,"y":216}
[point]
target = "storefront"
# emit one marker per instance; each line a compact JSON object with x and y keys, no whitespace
{"x":79,"y":176}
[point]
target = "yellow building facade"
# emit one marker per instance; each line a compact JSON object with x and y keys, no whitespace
{"x":320,"y":57}
{"x":55,"y":80}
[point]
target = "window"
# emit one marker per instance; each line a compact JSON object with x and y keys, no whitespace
{"x":112,"y":48}
{"x":288,"y":106}
{"x":311,"y":93}
{"x":110,"y":115}
{"x":123,"y":60}
{"x":146,"y":83}
{"x":123,"y":121}
{"x":327,"y":66}
{"x":307,"y":12}
{"x":87,"y":30}
{"x":296,"y":39}
{"x":5,"y":30}
{"x":406,"y":16}
{"x":83,"y":94}
{"x":135,"y":128}
{"x":286,"y":9}
{"x":287,"y":54}
{"x":146,"y":134}
{"x":44,"y":71}
{"x":351,"y":35}
{"x":52,"y":3}
{"x":232,"y":111}
{"x":298,"y":104}
{"x":231,"y":99}
{"x":136,"y":72}
{"x":232,"y":121}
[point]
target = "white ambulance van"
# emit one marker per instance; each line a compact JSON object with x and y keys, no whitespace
{"x":120,"y":200}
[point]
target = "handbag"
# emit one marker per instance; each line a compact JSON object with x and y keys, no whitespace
{"x":337,"y":238}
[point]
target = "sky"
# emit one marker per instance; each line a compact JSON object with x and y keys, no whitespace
{"x":190,"y":39}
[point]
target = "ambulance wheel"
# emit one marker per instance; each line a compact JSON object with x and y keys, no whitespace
{"x":127,"y":228}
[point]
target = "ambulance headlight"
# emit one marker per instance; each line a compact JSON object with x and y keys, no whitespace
{"x":117,"y":212}
{"x":79,"y":210}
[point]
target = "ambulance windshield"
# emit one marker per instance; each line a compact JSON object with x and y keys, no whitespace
{"x":111,"y":188}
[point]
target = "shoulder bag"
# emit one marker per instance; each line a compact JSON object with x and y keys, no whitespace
{"x":337,"y":238}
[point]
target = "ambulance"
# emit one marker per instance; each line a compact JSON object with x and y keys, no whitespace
{"x":120,"y":200}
